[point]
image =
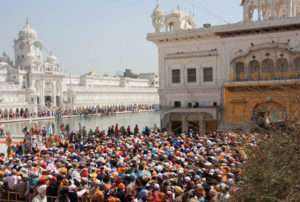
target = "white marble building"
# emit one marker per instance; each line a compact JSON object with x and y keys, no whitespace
{"x":33,"y":84}
{"x":195,"y":63}
{"x":151,"y":77}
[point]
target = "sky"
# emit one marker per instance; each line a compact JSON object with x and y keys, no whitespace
{"x":104,"y":36}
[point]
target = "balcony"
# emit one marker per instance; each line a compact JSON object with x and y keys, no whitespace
{"x":265,"y":76}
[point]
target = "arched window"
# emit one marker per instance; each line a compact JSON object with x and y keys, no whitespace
{"x":171,"y":27}
{"x":239,"y":68}
{"x":255,"y":14}
{"x":266,"y":11}
{"x":282,"y":65}
{"x":297,"y":65}
{"x":281,"y":9}
{"x":254,"y":67}
{"x":267,"y":66}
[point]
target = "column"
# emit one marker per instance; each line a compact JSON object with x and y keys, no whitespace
{"x":202,"y":125}
{"x":42,"y":97}
{"x":245,"y":13}
{"x":289,"y":9}
{"x":273,"y":8}
{"x":54,"y":93}
{"x":184,"y":124}
{"x":259,"y":10}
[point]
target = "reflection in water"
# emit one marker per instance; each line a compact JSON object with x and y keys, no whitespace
{"x":143,"y":119}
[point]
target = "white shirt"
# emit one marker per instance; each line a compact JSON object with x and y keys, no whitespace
{"x":11,"y":181}
{"x":34,"y":144}
{"x":39,"y":199}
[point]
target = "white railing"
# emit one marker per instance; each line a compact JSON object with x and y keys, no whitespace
{"x":113,"y":89}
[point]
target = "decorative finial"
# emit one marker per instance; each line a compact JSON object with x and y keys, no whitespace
{"x":178,"y":7}
{"x":27,"y":21}
{"x":156,"y":2}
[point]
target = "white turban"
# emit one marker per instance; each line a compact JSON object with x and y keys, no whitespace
{"x":42,"y":189}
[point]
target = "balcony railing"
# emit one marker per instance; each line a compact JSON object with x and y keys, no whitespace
{"x":264,"y":76}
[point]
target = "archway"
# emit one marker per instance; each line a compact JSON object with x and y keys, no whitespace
{"x":239,"y":69}
{"x":254,"y":67}
{"x":267,"y":66}
{"x":268,"y":113}
{"x":281,"y":9}
{"x":57,"y":101}
{"x":48,"y":101}
{"x":5,"y":113}
{"x":297,"y":64}
{"x":282,"y":65}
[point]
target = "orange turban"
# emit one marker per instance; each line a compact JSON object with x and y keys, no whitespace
{"x":98,"y":194}
{"x":121,"y":186}
{"x":106,"y":187}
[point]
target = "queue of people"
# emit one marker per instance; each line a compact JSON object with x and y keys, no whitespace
{"x":125,"y":165}
{"x":25,"y":114}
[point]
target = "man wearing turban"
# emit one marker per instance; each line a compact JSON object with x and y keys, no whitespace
{"x":41,"y":197}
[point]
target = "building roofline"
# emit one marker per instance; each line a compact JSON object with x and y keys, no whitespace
{"x":218,"y":30}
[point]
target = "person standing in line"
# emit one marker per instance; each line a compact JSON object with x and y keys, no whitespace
{"x":9,"y":142}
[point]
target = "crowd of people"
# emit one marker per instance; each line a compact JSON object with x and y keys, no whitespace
{"x":58,"y":112}
{"x":126,"y":165}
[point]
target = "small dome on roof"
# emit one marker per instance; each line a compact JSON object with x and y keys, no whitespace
{"x":3,"y":63}
{"x":157,"y":11}
{"x":4,"y":58}
{"x":27,"y":32}
{"x":51,"y":58}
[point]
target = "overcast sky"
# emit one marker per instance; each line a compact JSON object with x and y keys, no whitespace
{"x":102,"y":36}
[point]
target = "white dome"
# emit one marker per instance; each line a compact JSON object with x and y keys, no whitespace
{"x":27,"y":32}
{"x":51,"y":59}
{"x":4,"y":58}
{"x":3,"y":64}
{"x":157,"y":11}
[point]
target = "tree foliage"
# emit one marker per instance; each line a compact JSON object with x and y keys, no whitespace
{"x":272,"y":171}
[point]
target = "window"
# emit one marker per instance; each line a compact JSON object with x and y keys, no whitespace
{"x":207,"y":74}
{"x":176,"y":76}
{"x":239,"y":68}
{"x":177,"y":104}
{"x":192,"y":77}
{"x":282,"y":65}
{"x":297,"y":64}
{"x":254,"y":67}
{"x":267,"y":66}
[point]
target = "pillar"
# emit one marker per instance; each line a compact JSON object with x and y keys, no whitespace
{"x":42,"y":97}
{"x":245,"y":13}
{"x":184,"y":123}
{"x":54,"y":93}
{"x":202,"y":125}
{"x":273,"y":9}
{"x":289,"y":9}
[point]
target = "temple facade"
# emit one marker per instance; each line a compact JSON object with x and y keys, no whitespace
{"x":229,"y":76}
{"x":31,"y":83}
